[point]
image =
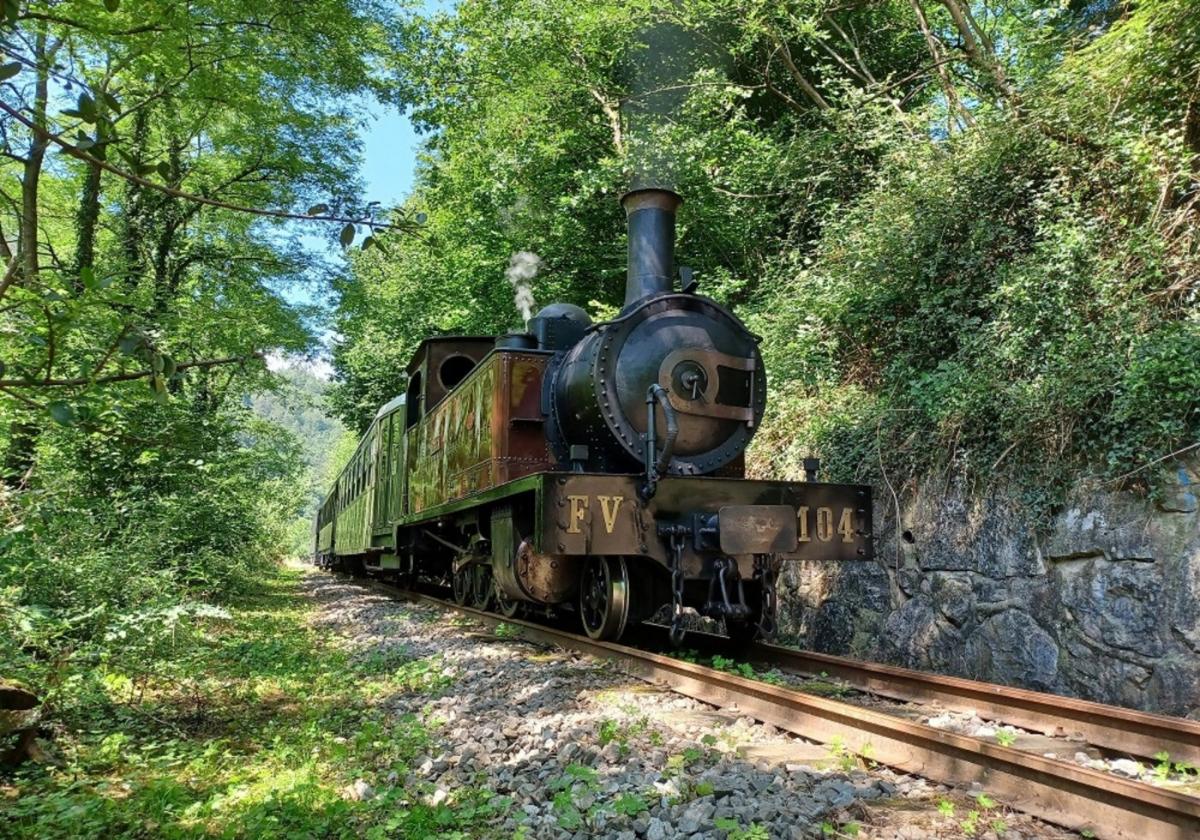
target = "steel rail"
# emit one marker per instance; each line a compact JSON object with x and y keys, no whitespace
{"x":1066,"y":794}
{"x":1109,"y":727}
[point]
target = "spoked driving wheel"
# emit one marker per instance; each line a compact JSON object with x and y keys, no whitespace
{"x":604,"y":598}
{"x":461,"y":583}
{"x":481,"y":587}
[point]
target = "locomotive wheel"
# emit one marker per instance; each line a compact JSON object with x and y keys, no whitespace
{"x":506,"y":606}
{"x":461,"y":583}
{"x":604,"y":597}
{"x":481,"y":587}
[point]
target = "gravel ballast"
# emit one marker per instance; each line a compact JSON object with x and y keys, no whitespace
{"x":582,"y":750}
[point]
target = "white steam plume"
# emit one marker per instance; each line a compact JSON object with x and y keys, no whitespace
{"x":522,"y":268}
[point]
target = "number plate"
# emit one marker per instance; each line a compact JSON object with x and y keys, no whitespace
{"x":757,"y":529}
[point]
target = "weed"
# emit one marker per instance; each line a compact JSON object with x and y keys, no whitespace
{"x":846,"y":758}
{"x":254,"y":729}
{"x":630,"y":804}
{"x":970,"y":825}
{"x":566,"y":811}
{"x":985,"y":802}
{"x":1163,"y":768}
{"x":611,"y":730}
{"x":734,"y":831}
{"x":505,"y":630}
{"x":566,"y":808}
{"x":608,"y":731}
{"x":1005,"y":737}
{"x":945,"y":808}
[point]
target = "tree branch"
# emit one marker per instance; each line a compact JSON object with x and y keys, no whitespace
{"x":804,"y":84}
{"x":76,"y":152}
{"x":122,"y":377}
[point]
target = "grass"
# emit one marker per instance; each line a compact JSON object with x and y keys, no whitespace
{"x":255,"y":729}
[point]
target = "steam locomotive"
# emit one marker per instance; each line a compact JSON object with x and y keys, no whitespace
{"x":594,"y":468}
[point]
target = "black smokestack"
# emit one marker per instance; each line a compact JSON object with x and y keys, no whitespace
{"x":650,"y":216}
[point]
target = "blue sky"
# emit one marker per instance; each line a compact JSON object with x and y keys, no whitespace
{"x":389,"y":155}
{"x":389,"y":160}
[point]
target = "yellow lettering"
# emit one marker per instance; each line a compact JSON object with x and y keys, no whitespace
{"x":579,"y":506}
{"x":824,"y":524}
{"x":846,"y":526}
{"x":609,"y":505}
{"x":802,"y":535}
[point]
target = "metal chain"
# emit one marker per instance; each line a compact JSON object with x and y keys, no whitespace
{"x":677,"y":630}
{"x":765,"y":570}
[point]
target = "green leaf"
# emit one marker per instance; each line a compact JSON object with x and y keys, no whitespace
{"x":73,"y":113}
{"x":112,"y":5}
{"x":12,"y":10}
{"x":62,"y":412}
{"x":130,"y":344}
{"x":318,"y":209}
{"x":422,"y":218}
{"x":368,"y":242}
{"x":347,"y":235}
{"x":169,"y":367}
{"x":87,"y":107}
{"x":163,"y":169}
{"x":87,"y":277}
{"x":84,"y":142}
{"x":159,"y":386}
{"x":7,"y":71}
{"x":111,"y":101}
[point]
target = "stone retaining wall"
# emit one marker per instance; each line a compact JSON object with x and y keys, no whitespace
{"x":1105,"y":604}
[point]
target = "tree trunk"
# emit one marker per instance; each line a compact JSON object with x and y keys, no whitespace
{"x":27,"y":240}
{"x":132,"y":229}
{"x":86,"y":219}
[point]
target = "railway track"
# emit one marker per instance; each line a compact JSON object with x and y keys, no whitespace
{"x":1113,"y":728}
{"x":1075,"y":797}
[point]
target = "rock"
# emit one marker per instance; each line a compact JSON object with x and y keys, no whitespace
{"x":836,"y":794}
{"x":1012,"y":648}
{"x":1116,"y":603}
{"x":1126,"y":767}
{"x":918,"y":635}
{"x":358,"y":791}
{"x":656,"y":829}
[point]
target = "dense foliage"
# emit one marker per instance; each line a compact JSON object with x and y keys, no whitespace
{"x":156,"y":159}
{"x":967,"y":233}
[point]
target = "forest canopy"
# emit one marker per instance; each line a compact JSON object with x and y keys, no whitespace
{"x":966,"y":232}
